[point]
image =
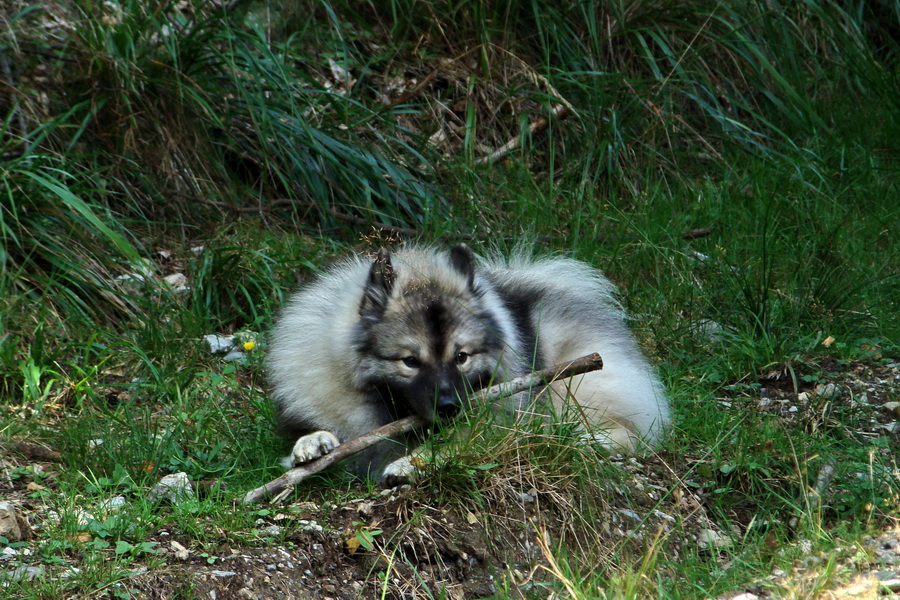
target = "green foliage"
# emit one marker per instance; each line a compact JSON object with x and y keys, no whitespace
{"x":245,"y":144}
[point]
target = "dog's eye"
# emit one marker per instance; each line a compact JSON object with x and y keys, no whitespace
{"x":461,"y":357}
{"x":412,"y":362}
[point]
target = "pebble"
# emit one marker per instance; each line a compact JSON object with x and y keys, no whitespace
{"x":216,"y":573}
{"x":712,"y":539}
{"x":181,"y":553}
{"x":9,"y":523}
{"x":114,"y":503}
{"x":177,"y":281}
{"x":25,"y":573}
{"x":176,"y":487}
{"x":892,"y":408}
{"x":630,"y":514}
{"x":309,"y":525}
{"x":828,"y":391}
{"x":220,"y":344}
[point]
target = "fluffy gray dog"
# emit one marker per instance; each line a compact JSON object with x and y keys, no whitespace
{"x":378,"y":338}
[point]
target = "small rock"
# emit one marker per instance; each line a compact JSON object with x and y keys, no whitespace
{"x":890,"y":427}
{"x":220,"y":344}
{"x":223,"y":574}
{"x":25,"y":573}
{"x":8,"y":552}
{"x":114,"y":503}
{"x":746,"y":596}
{"x":662,"y":515}
{"x":709,"y":329}
{"x":828,"y":391}
{"x":273,"y":530}
{"x":177,"y":281}
{"x":630,"y":514}
{"x":176,"y":487}
{"x":181,"y":553}
{"x":891,"y":584}
{"x":9,"y":522}
{"x":309,"y":525}
{"x":892,"y":408}
{"x":712,"y":539}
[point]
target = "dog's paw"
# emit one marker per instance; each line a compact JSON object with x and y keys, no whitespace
{"x":310,"y":447}
{"x":401,"y":471}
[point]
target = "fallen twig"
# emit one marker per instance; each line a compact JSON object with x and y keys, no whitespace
{"x":560,"y":111}
{"x":34,"y":451}
{"x":694,"y":234}
{"x":585,"y":364}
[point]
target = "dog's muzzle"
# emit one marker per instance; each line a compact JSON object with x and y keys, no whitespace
{"x":448,"y":405}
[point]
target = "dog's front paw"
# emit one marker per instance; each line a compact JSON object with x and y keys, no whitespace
{"x":401,"y":471}
{"x":310,"y":447}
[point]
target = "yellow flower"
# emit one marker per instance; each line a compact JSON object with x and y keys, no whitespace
{"x":248,"y":346}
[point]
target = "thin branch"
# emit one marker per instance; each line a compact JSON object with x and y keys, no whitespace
{"x":694,"y":234}
{"x":560,"y":111}
{"x":544,"y":377}
{"x":33,"y":451}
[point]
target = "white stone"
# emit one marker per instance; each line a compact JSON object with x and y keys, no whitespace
{"x":709,"y":538}
{"x":181,"y":553}
{"x":176,"y":487}
{"x":9,"y":524}
{"x":220,"y":344}
{"x":177,"y":281}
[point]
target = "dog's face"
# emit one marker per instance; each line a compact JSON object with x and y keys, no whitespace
{"x":424,"y":341}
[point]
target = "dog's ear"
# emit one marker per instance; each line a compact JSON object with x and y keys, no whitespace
{"x":463,"y":260}
{"x":378,"y":285}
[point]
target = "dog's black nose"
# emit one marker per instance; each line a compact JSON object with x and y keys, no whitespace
{"x":447,"y":405}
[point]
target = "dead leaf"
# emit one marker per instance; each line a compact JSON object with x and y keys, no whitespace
{"x":352,"y":544}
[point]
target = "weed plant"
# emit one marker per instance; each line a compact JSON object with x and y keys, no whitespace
{"x":246,"y":144}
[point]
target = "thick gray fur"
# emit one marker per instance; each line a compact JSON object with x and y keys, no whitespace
{"x":377,"y":338}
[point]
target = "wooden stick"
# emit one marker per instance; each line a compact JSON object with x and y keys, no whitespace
{"x":34,"y":451}
{"x":559,"y":111}
{"x":544,"y":377}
